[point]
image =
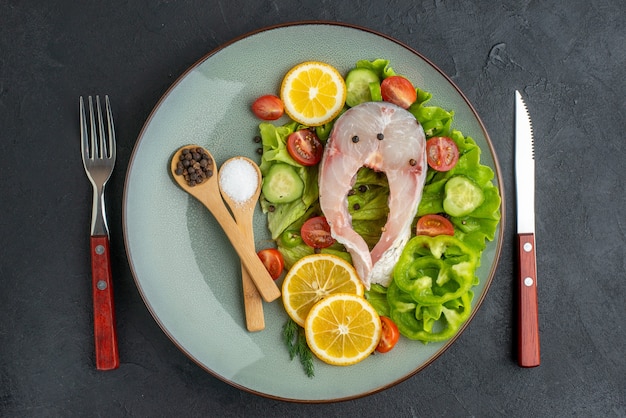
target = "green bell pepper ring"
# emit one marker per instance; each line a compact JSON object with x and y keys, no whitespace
{"x":290,"y":239}
{"x":427,"y":323}
{"x":434,"y":270}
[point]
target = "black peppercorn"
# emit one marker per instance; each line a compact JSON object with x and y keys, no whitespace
{"x":195,"y":165}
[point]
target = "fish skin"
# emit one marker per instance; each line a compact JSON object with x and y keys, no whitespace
{"x":401,"y":155}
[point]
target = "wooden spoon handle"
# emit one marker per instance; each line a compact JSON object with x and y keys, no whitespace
{"x":246,"y":251}
{"x":253,"y":305}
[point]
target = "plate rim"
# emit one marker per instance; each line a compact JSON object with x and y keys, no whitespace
{"x":497,"y":172}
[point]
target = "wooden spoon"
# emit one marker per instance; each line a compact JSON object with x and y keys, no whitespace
{"x":244,"y":215}
{"x":208,"y":193}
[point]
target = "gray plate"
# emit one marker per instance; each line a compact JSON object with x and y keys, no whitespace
{"x":184,"y":266}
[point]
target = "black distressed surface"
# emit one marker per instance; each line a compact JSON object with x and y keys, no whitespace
{"x":568,"y":59}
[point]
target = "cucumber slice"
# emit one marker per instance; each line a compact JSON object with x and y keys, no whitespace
{"x":282,"y":184}
{"x":358,"y":86}
{"x":462,"y":196}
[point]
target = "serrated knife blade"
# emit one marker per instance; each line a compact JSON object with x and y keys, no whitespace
{"x":528,"y":315}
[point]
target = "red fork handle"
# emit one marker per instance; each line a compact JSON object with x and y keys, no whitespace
{"x":528,"y":315}
{"x":107,"y":356}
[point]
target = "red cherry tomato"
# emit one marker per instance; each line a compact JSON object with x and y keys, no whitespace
{"x":273,"y":261}
{"x":389,"y":336}
{"x":398,"y":90}
{"x":305,"y":147}
{"x":433,"y":225}
{"x":442,"y":153}
{"x":315,"y":232}
{"x":268,"y":107}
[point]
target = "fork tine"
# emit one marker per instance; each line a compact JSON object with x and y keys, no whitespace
{"x":111,"y":128}
{"x":84,"y":134}
{"x":93,"y":136}
{"x":102,"y":145}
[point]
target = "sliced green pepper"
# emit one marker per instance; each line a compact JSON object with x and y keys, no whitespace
{"x":434,"y":270}
{"x":427,"y":323}
{"x":290,"y":238}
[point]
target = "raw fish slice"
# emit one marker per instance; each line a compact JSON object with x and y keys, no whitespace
{"x":382,"y":137}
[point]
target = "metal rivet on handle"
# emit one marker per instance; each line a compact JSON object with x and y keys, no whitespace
{"x":528,"y":247}
{"x":528,"y":281}
{"x":101,"y":285}
{"x":99,"y":249}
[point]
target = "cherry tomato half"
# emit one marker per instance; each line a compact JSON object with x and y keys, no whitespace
{"x":433,"y":225}
{"x":442,"y":153}
{"x":273,"y":261}
{"x":305,"y":147}
{"x":389,"y":336}
{"x":315,"y":233}
{"x":268,"y":107}
{"x":399,"y":91}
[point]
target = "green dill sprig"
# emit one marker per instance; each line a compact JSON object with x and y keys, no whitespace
{"x":295,"y":340}
{"x":290,"y":335}
{"x":305,"y":354}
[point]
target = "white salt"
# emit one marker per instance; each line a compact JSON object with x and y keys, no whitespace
{"x":238,"y":179}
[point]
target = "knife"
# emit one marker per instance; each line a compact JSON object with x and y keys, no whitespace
{"x":528,"y":315}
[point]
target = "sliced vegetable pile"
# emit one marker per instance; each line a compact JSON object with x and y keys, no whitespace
{"x":430,"y":295}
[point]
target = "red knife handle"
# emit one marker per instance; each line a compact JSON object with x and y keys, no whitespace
{"x":528,"y":315}
{"x":107,"y":356}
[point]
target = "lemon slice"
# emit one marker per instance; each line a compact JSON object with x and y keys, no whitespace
{"x":342,"y":329}
{"x":314,"y":277}
{"x":313,"y":93}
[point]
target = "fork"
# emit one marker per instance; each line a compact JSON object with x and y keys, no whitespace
{"x":98,"y":152}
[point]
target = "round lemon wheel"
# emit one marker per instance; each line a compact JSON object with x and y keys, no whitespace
{"x":313,"y":93}
{"x":342,"y":329}
{"x":313,"y":278}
